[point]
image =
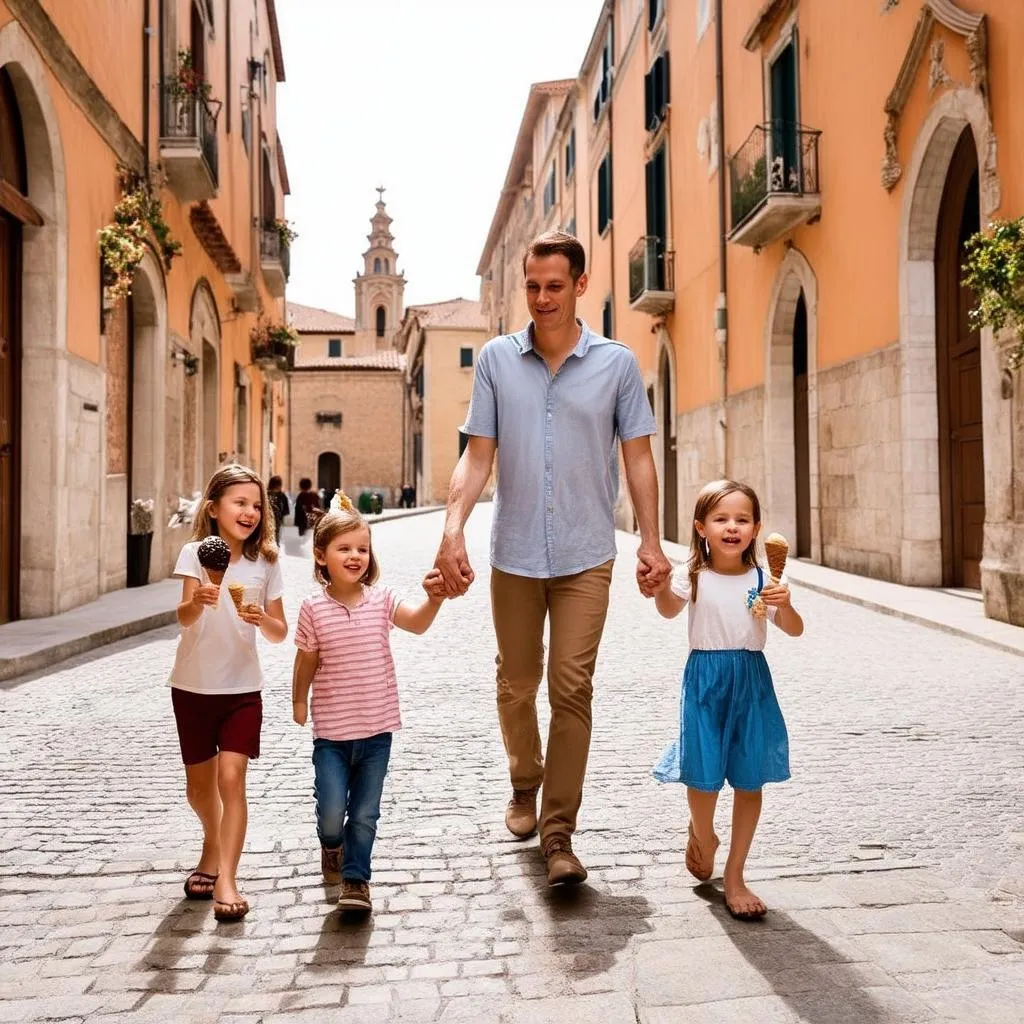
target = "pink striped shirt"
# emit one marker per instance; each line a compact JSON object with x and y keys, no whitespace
{"x":355,"y":692}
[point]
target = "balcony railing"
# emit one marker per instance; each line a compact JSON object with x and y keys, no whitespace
{"x":275,"y":261}
{"x":651,"y":276}
{"x":774,"y":182}
{"x":188,"y":143}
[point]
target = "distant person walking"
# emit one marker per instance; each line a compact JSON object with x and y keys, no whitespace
{"x":305,"y":502}
{"x":552,"y":403}
{"x":279,"y":503}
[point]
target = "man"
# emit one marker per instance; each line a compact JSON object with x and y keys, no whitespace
{"x":551,"y":401}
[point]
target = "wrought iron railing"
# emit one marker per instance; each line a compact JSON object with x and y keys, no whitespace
{"x":187,"y":116}
{"x":651,"y":267}
{"x":778,"y":158}
{"x":273,"y":249}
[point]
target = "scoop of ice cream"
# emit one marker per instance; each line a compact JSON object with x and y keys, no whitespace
{"x":214,"y":555}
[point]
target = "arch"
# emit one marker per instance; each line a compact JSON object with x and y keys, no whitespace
{"x":204,"y":337}
{"x":793,"y":279}
{"x":667,"y":455}
{"x":921,"y":519}
{"x":48,"y":551}
{"x":387,"y":265}
{"x":381,"y":321}
{"x":376,"y":265}
{"x":328,"y":471}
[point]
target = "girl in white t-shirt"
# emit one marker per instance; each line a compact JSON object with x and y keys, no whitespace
{"x":216,"y":680}
{"x":731,"y":726}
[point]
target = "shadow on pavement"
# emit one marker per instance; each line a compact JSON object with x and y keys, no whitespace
{"x":343,"y":939}
{"x":816,"y":981}
{"x":184,"y":921}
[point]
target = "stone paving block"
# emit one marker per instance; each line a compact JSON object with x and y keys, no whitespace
{"x":752,"y":1010}
{"x":898,"y":954}
{"x":473,"y":1010}
{"x":977,"y":1004}
{"x":594,"y":1009}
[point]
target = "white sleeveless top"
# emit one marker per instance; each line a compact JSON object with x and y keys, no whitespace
{"x":719,"y":618}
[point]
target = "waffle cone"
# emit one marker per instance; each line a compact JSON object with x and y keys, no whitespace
{"x":237,"y":592}
{"x":216,"y":576}
{"x":776,"y":547}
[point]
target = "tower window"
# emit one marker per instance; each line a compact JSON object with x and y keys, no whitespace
{"x":387,"y":265}
{"x":381,"y":321}
{"x":376,"y":266}
{"x":334,"y":348}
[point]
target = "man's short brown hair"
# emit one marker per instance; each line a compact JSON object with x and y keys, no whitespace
{"x":559,"y":243}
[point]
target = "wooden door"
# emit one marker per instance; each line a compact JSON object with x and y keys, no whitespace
{"x":961,"y":449}
{"x":801,"y":431}
{"x":671,"y":524}
{"x":785,"y":118}
{"x":10,"y":386}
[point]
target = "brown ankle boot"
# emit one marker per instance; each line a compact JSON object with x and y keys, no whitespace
{"x":330,"y":865}
{"x":521,"y":813}
{"x":564,"y":867}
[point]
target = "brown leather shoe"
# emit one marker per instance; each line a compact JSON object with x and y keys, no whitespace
{"x":330,"y":865}
{"x":521,"y":813}
{"x":355,"y":896}
{"x":564,"y":867}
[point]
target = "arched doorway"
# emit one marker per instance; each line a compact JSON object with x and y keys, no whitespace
{"x":801,"y":430}
{"x":958,"y":376}
{"x":204,"y":339}
{"x":13,"y":171}
{"x":328,"y":472}
{"x":670,"y":518}
{"x":211,"y":405}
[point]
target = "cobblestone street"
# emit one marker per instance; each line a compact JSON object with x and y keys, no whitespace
{"x":893,"y":861}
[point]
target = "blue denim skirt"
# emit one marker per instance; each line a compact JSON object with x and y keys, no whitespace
{"x":731,"y":726}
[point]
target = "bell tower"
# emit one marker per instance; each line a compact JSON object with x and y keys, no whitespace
{"x":380,"y":288}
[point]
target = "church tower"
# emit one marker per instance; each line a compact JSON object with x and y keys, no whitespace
{"x":380,"y":288}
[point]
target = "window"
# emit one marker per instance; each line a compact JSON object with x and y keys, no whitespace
{"x":376,"y":266}
{"x":570,"y":228}
{"x":419,"y":382}
{"x":465,"y":357}
{"x":387,"y":265}
{"x":549,"y":191}
{"x":604,"y":193}
{"x":607,"y":327}
{"x":604,"y":85}
{"x":655,"y":9}
{"x":656,"y":93}
{"x":333,"y":348}
{"x":382,"y":320}
{"x":463,"y":441}
{"x":570,"y":154}
{"x":501,"y":325}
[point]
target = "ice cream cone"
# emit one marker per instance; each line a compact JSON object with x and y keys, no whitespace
{"x":237,"y":592}
{"x":216,"y":576}
{"x":776,"y":547}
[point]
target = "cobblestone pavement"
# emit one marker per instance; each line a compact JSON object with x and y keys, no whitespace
{"x":892,"y":860}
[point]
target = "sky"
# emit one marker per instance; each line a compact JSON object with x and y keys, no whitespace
{"x":421,"y":96}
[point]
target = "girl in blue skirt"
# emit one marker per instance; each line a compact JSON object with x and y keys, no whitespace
{"x":731,"y":727}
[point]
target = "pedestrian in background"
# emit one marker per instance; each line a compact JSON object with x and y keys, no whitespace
{"x":731,"y":727}
{"x":344,"y":654}
{"x":217,"y":680}
{"x":279,"y":502}
{"x":553,"y":395}
{"x":305,"y":502}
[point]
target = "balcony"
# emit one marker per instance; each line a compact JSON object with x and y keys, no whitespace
{"x":275,"y":259}
{"x":188,"y":144}
{"x":774,"y":182}
{"x":272,"y":357}
{"x":651,"y":277}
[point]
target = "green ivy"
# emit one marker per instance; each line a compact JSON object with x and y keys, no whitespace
{"x":995,"y":272}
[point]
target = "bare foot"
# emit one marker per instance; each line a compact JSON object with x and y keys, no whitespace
{"x":741,"y":903}
{"x":700,"y":862}
{"x":226,"y":891}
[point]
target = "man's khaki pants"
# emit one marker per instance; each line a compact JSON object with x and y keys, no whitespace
{"x":577,"y":606}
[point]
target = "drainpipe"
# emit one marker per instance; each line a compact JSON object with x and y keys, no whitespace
{"x":611,"y":162}
{"x":147,"y":31}
{"x":721,"y":306}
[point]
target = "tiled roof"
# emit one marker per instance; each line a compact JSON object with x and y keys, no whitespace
{"x":386,"y":360}
{"x":461,"y":313}
{"x":311,"y":320}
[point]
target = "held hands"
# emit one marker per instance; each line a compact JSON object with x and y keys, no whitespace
{"x":433,"y":584}
{"x":453,"y":564}
{"x":652,"y":569}
{"x":300,"y":711}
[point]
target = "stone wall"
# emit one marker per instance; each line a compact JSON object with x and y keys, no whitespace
{"x":697,"y":451}
{"x":745,"y":438}
{"x":369,"y":439}
{"x":859,"y":460}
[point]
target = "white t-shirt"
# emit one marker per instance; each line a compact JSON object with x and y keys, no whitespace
{"x":719,"y":618}
{"x":217,"y":653}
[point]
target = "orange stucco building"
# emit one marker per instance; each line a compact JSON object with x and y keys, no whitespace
{"x":106,"y":399}
{"x":773,"y":195}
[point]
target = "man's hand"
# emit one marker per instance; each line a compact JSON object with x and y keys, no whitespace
{"x":453,"y":564}
{"x":652,"y":569}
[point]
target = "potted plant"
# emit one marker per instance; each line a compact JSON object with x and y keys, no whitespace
{"x":285,"y":232}
{"x":140,"y":541}
{"x":995,"y":272}
{"x":271,"y":344}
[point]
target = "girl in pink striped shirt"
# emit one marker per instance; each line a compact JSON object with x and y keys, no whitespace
{"x":344,"y":652}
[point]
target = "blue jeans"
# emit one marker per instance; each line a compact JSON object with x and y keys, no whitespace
{"x":348,"y":782}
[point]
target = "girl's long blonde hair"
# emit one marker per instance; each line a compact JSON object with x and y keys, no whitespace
{"x":261,"y":540}
{"x":339,"y":520}
{"x":711,"y":494}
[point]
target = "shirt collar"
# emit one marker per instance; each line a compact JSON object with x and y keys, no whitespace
{"x":524,"y":339}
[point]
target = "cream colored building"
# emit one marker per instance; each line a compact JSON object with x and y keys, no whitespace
{"x":440,"y":342}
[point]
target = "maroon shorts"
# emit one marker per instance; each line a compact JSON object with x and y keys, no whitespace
{"x":209,"y":723}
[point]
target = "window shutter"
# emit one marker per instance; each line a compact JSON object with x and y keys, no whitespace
{"x":666,"y":96}
{"x":649,"y":111}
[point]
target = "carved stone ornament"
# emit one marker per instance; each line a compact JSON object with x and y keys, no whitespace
{"x":937,"y":73}
{"x":972,"y":28}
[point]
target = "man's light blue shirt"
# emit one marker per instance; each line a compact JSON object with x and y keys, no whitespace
{"x":558,"y":467}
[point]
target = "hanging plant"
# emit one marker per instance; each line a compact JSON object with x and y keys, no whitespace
{"x":995,"y":272}
{"x":266,"y":335}
{"x":122,"y":244}
{"x":186,"y":82}
{"x":285,"y":232}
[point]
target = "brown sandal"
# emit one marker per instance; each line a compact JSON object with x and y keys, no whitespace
{"x":694,"y":859}
{"x":196,"y":883}
{"x":234,"y":911}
